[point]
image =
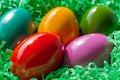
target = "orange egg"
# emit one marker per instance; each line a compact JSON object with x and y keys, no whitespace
{"x":62,"y":22}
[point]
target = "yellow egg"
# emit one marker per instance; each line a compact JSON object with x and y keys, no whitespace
{"x":62,"y":22}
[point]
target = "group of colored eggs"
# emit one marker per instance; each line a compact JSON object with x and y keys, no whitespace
{"x":58,"y":39}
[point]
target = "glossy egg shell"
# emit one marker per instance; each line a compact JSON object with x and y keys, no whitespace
{"x":62,"y":22}
{"x":98,"y":19}
{"x":13,"y":24}
{"x":18,"y":40}
{"x":88,"y":48}
{"x":37,"y":54}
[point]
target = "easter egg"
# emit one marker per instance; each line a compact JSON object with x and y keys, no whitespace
{"x":31,"y":27}
{"x":18,"y":40}
{"x":62,"y":22}
{"x":38,"y":54}
{"x":88,"y":48}
{"x":98,"y":19}
{"x":14,"y":23}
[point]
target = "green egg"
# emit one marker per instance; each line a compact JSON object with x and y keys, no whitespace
{"x":13,"y":24}
{"x":98,"y":19}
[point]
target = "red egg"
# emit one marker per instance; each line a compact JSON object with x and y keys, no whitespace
{"x":37,"y":54}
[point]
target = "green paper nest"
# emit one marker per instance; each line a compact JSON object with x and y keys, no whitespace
{"x":38,"y":8}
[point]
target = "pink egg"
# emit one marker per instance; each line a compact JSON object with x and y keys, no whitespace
{"x":88,"y":48}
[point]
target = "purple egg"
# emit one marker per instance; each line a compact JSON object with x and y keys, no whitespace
{"x":88,"y":48}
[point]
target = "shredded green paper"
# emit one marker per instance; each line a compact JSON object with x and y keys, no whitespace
{"x":38,"y":8}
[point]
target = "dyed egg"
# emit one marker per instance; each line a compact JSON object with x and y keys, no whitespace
{"x":31,"y":27}
{"x":98,"y":19}
{"x":38,"y":54}
{"x":14,"y":23}
{"x":18,"y":40}
{"x":88,"y":48}
{"x":62,"y":22}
